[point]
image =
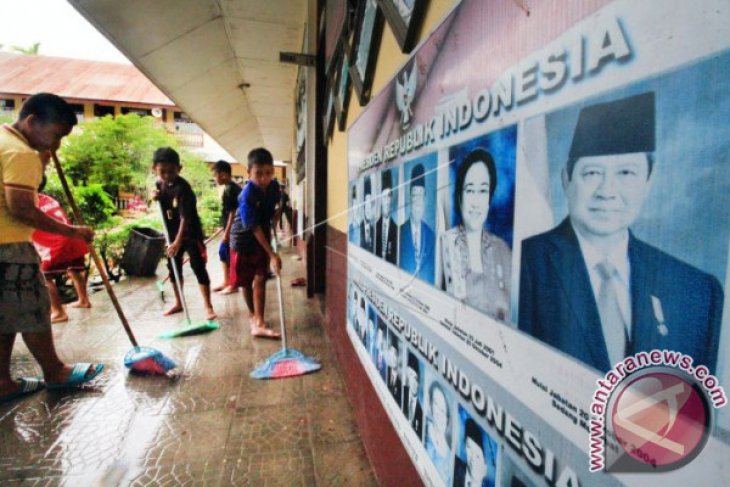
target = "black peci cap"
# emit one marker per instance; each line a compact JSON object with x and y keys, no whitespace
{"x":618,"y":127}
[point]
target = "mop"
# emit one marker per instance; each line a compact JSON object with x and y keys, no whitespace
{"x":189,"y":328}
{"x":287,"y":362}
{"x":141,"y":360}
{"x":161,"y":282}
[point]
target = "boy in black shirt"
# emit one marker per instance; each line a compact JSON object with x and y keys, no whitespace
{"x":183,"y":225}
{"x":229,"y":205}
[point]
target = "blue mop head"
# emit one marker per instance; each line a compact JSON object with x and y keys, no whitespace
{"x":148,"y":361}
{"x":285,"y":363}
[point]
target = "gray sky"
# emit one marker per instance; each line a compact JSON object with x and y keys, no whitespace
{"x":60,"y":29}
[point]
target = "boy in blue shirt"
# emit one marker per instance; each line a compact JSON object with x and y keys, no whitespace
{"x":251,"y":253}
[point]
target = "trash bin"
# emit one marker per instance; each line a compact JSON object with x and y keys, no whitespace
{"x":143,"y":251}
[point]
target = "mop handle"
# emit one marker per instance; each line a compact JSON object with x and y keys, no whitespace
{"x":92,"y":251}
{"x":275,"y":246}
{"x":174,"y":265}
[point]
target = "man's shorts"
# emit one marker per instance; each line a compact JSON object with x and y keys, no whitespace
{"x":244,"y":267}
{"x":51,"y":268}
{"x":224,"y":252}
{"x":25,"y":305}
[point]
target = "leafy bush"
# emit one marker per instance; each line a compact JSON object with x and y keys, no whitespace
{"x":96,"y":206}
{"x":209,"y":208}
{"x":114,"y":151}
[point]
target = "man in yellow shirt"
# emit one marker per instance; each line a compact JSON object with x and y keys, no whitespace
{"x":25,"y":147}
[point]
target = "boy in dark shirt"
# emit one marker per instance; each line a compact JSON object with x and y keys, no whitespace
{"x":183,"y":225}
{"x":229,"y":205}
{"x":251,"y":253}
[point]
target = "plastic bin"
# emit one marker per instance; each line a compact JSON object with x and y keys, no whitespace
{"x":143,"y":251}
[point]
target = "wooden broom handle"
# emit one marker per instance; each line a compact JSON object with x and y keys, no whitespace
{"x":97,"y":261}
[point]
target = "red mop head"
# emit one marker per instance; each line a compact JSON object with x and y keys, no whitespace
{"x":286,"y":363}
{"x":148,"y":361}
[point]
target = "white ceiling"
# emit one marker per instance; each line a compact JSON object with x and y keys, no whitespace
{"x":199,"y":53}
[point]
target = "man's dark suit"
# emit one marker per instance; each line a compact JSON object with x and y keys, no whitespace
{"x":460,"y":474}
{"x":394,"y":387}
{"x":557,"y":304}
{"x":369,"y":246}
{"x":407,"y":260}
{"x":391,"y":249}
{"x":417,"y":422}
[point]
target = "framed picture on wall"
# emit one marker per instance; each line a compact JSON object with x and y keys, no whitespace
{"x":301,"y":109}
{"x":335,"y":15}
{"x":404,"y":18}
{"x":329,"y":111}
{"x":342,"y":93}
{"x":365,"y":46}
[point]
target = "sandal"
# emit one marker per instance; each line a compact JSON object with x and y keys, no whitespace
{"x":79,"y":375}
{"x":28,"y":385}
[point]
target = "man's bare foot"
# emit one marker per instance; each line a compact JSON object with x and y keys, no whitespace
{"x":263,"y":332}
{"x":219,"y":288}
{"x":176,"y":308}
{"x":257,"y":322}
{"x":11,"y":390}
{"x":210,"y":314}
{"x":81,"y":304}
{"x":230,"y":290}
{"x":59,"y":317}
{"x":8,"y":387}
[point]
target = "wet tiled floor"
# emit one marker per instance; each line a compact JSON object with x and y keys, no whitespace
{"x":212,"y":426}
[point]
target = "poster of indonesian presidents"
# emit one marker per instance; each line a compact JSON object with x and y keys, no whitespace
{"x":539,"y":218}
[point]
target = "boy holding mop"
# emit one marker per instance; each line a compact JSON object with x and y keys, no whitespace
{"x":251,"y":253}
{"x":179,"y":207}
{"x":229,"y":204}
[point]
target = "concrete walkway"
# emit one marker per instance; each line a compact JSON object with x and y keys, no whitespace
{"x":213,"y":426}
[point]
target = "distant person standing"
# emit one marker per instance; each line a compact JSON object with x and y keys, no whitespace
{"x":229,"y":205}
{"x":24,"y":302}
{"x":286,"y":209}
{"x":60,"y":255}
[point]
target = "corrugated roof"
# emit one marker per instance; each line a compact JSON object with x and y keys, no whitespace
{"x":77,"y":78}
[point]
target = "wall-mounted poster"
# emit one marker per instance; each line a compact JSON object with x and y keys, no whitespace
{"x":328,"y":119}
{"x":404,"y":18}
{"x":365,"y":47}
{"x":342,"y":96}
{"x":556,"y":312}
{"x":335,"y":15}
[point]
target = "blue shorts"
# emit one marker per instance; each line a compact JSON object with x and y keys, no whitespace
{"x":224,"y":252}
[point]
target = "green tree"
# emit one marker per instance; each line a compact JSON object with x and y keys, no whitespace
{"x":31,"y":50}
{"x":115,"y":152}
